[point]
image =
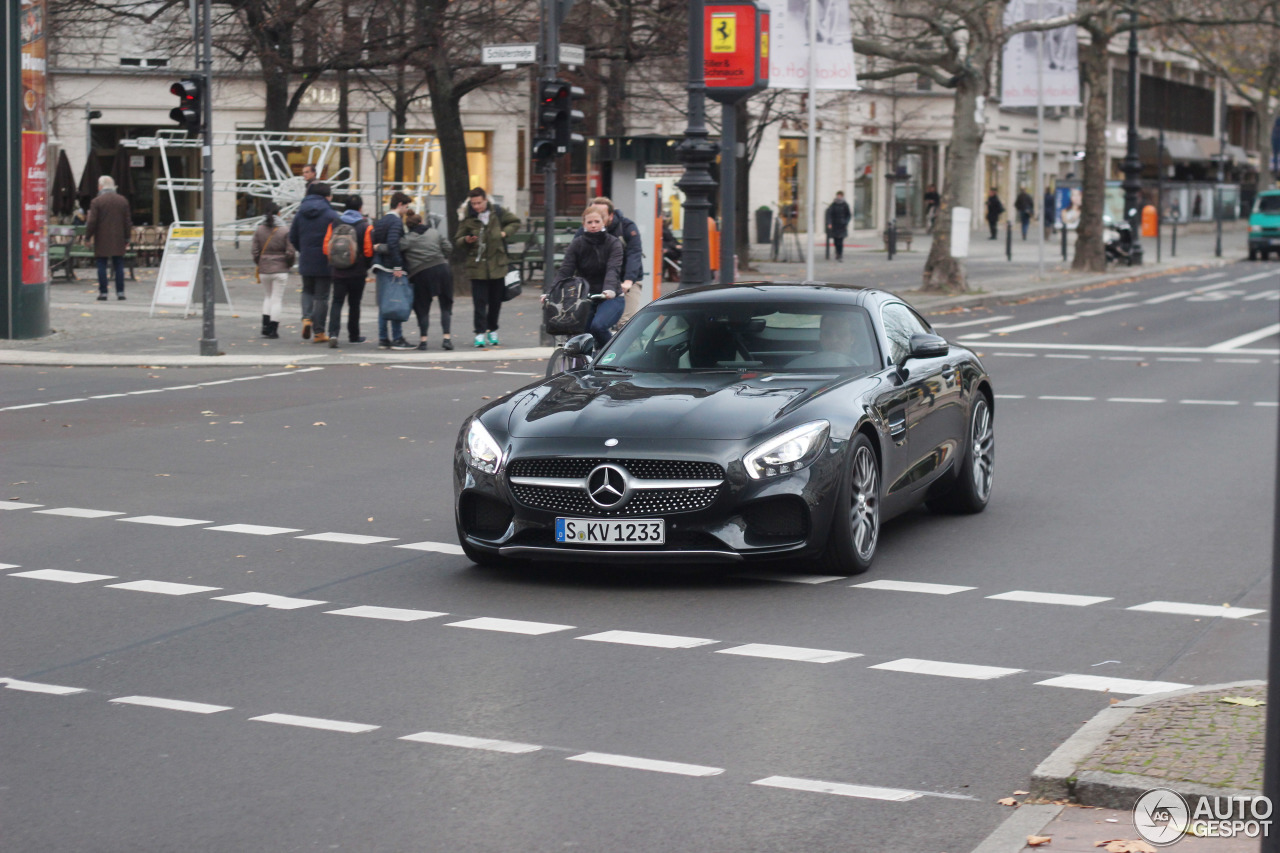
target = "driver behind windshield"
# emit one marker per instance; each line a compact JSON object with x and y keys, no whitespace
{"x":838,"y":343}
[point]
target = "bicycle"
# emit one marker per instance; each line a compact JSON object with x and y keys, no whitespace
{"x":562,"y":361}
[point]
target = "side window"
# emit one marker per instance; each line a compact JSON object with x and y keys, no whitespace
{"x":900,"y":323}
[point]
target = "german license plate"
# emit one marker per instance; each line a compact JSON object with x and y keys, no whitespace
{"x":593,"y":531}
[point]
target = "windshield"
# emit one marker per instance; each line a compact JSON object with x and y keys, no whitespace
{"x":1269,"y":204}
{"x":769,"y":336}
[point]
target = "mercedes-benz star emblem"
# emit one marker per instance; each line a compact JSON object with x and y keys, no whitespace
{"x":607,"y":486}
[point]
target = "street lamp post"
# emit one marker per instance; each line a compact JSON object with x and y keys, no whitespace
{"x":697,"y":153}
{"x":1132,"y":166}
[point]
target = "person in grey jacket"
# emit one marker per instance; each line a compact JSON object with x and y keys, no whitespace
{"x":426,"y":258}
{"x":274,"y":257}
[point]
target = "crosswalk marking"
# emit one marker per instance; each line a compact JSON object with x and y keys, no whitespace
{"x":61,"y":576}
{"x":37,"y":687}
{"x":444,"y":739}
{"x":163,"y":587}
{"x":314,"y":723}
{"x":1049,"y":598}
{"x":634,"y":763}
{"x":510,"y":626}
{"x":395,"y":614}
{"x":348,"y":538}
{"x":914,"y":586}
{"x":164,"y":520}
{"x":1104,"y":684}
{"x":438,"y":547}
{"x":866,"y":792}
{"x":795,"y":653}
{"x":171,"y":704}
{"x":255,"y":529}
{"x":274,"y":602}
{"x":1196,"y":609}
{"x":17,"y":505}
{"x":77,"y":512}
{"x":657,"y":641}
{"x":944,"y":668}
{"x":785,"y":577}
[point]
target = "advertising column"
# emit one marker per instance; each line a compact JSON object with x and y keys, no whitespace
{"x":24,"y":182}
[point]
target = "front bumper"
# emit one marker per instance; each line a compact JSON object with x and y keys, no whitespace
{"x":746,"y":519}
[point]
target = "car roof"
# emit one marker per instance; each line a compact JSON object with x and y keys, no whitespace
{"x":801,"y":291}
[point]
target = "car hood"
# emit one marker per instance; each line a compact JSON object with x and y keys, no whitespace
{"x":710,"y":405}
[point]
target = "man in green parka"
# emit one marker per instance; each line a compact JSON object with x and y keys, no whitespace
{"x":482,"y":237}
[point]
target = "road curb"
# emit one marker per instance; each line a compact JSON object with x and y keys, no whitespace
{"x":1011,"y":835}
{"x":1056,"y":777}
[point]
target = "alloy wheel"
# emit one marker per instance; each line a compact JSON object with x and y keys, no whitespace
{"x":983,"y":454}
{"x":864,"y":511}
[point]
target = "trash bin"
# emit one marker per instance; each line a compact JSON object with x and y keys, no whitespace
{"x":764,"y":225}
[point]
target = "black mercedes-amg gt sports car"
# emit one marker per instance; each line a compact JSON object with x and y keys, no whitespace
{"x":754,"y":421}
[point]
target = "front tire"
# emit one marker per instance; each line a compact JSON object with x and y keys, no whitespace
{"x":855,"y":528}
{"x":972,"y":489}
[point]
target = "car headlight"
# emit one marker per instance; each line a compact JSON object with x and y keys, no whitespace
{"x":1255,"y":228}
{"x":482,"y":452}
{"x":791,"y":451}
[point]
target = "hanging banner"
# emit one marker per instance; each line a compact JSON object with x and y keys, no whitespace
{"x":35,"y":168}
{"x":789,"y":45}
{"x":1061,"y":73}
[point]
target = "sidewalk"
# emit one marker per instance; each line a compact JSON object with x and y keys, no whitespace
{"x":1190,"y":741}
{"x":88,"y":332}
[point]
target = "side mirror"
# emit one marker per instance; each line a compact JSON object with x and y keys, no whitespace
{"x":580,"y":345}
{"x":928,"y":346}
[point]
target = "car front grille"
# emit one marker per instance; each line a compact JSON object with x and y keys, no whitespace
{"x":646,"y":503}
{"x":641,"y":469}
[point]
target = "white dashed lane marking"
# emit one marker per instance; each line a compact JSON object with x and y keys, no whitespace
{"x":1134,"y":400}
{"x":165,"y":521}
{"x":1196,"y":609}
{"x":61,"y":576}
{"x":1103,"y":684}
{"x":944,"y":668}
{"x":17,"y":505}
{"x":393,"y":614}
{"x":914,"y":586}
{"x":1049,"y":598}
{"x":171,"y":704}
{"x":1209,"y":402}
{"x":6,"y":566}
{"x":37,"y":687}
{"x":275,"y":602}
{"x":77,"y":512}
{"x":466,"y":742}
{"x":657,"y":641}
{"x":762,"y":650}
{"x":866,"y":792}
{"x":163,"y":587}
{"x":314,"y":723}
{"x":510,"y":626}
{"x":348,"y":538}
{"x":158,"y":390}
{"x":632,"y":763}
{"x":437,"y":547}
{"x":255,"y":529}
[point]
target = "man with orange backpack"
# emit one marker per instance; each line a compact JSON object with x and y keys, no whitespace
{"x":349,"y":245}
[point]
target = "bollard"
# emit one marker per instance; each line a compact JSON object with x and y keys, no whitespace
{"x":1008,"y":240}
{"x":1173,"y":241}
{"x":893,"y":238}
{"x":1064,"y":241}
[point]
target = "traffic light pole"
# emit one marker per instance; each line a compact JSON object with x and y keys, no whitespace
{"x":208,"y":342}
{"x":697,"y":153}
{"x":550,"y":71}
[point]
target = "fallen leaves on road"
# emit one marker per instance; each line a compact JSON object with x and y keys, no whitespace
{"x":319,"y":423}
{"x":1242,"y":700}
{"x":1008,"y":801}
{"x":1020,"y":793}
{"x":1119,"y":845}
{"x":1038,"y":840}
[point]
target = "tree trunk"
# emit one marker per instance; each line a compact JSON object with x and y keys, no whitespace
{"x":941,"y":271}
{"x":445,"y":110}
{"x":1090,"y":254}
{"x":344,"y":117}
{"x":277,"y":116}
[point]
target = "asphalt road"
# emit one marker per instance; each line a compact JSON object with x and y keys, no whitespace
{"x":331,"y":674}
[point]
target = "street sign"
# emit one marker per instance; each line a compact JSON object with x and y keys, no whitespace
{"x":735,"y":56}
{"x":573,"y":54}
{"x":378,"y":132}
{"x":508,"y":54}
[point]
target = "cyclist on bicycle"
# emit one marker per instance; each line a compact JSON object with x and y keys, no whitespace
{"x":596,"y":256}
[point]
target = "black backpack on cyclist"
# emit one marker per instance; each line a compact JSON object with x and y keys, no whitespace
{"x":567,"y":309}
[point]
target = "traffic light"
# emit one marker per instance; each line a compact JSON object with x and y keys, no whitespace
{"x":544,"y":137}
{"x":188,"y":112}
{"x":568,"y":120}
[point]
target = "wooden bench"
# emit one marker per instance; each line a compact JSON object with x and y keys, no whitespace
{"x":67,"y":247}
{"x":904,"y":236}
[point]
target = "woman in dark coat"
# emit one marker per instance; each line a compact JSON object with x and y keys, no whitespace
{"x":596,"y":256}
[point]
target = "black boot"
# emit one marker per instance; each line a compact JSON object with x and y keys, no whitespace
{"x":273,"y":330}
{"x":266,"y":325}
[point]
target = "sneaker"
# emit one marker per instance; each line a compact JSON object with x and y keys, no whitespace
{"x":321,"y":338}
{"x":384,"y":343}
{"x":102,"y":297}
{"x":493,"y":339}
{"x":480,"y":341}
{"x":120,"y":297}
{"x":447,"y":343}
{"x":333,"y":343}
{"x":401,"y":343}
{"x":421,"y":347}
{"x":306,"y":330}
{"x":357,"y":339}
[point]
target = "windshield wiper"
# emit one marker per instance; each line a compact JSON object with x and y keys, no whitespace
{"x":612,"y":368}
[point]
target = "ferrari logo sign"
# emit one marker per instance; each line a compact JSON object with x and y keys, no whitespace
{"x":724,"y":32}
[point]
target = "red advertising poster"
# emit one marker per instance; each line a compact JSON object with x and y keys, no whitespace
{"x":35,"y":167}
{"x":730,"y":50}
